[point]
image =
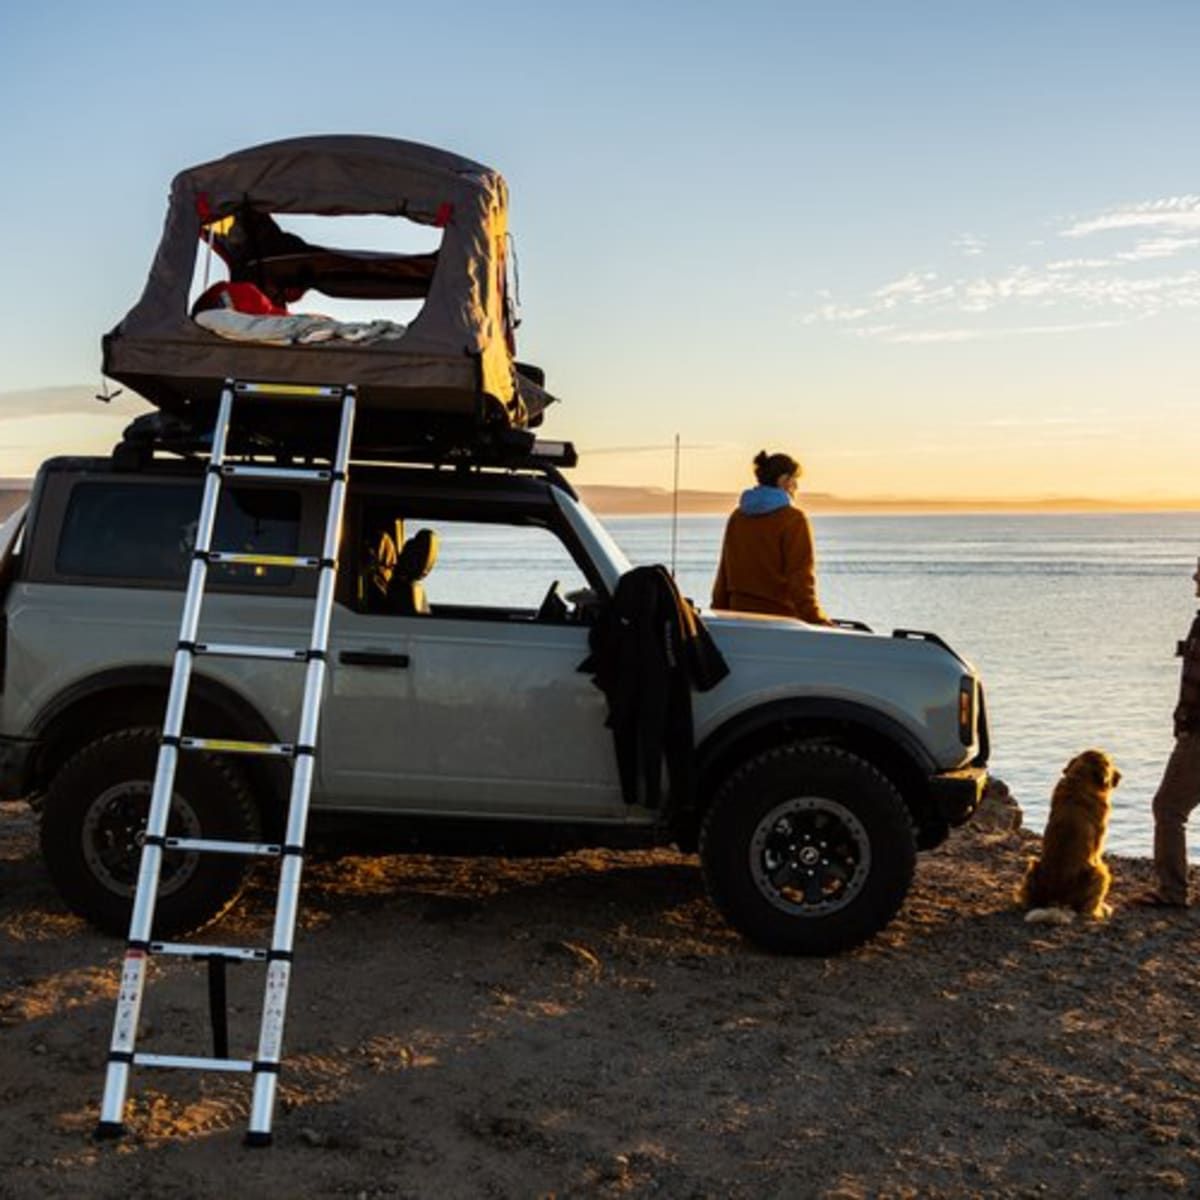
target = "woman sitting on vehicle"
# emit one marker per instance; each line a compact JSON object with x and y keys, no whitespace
{"x":767,"y":559}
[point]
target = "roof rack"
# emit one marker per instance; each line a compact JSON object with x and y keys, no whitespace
{"x":503,"y":447}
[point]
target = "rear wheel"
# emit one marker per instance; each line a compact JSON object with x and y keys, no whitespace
{"x":808,"y":849}
{"x":93,"y":821}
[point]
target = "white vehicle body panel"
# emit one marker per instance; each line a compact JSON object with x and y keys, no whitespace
{"x":466,"y":717}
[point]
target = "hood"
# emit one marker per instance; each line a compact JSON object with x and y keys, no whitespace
{"x":761,"y":500}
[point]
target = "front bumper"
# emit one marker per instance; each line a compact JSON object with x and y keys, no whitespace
{"x":16,"y":760}
{"x":956,"y":794}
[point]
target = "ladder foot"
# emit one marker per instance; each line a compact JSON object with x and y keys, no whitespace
{"x":256,"y":1139}
{"x":107,"y":1131}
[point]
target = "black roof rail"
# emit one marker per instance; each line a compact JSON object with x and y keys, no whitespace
{"x":505,"y":449}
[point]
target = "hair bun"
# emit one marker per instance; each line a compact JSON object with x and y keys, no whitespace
{"x":760,"y":458}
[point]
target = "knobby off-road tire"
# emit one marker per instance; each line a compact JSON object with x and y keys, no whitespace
{"x":808,"y":849}
{"x":95,"y":811}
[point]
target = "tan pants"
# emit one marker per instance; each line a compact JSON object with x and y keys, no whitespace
{"x":1177,"y":795}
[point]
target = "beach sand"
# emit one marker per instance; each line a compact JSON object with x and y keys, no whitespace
{"x":587,"y":1026}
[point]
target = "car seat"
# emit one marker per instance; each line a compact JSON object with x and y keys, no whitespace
{"x":406,"y":596}
{"x":378,"y":569}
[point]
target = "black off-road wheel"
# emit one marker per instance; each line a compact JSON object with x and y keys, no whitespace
{"x":808,"y":849}
{"x":94,"y":818}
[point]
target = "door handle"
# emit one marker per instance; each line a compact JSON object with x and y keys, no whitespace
{"x":373,"y":658}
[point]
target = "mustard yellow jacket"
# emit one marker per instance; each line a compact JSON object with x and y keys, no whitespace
{"x":768,"y":566}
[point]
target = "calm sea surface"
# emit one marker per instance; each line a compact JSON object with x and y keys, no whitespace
{"x":1072,"y":620}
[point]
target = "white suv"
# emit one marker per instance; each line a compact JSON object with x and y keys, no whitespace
{"x":456,"y":718}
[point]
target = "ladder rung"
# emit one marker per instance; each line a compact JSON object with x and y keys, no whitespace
{"x":232,"y":650}
{"x":217,"y":846}
{"x":309,"y":561}
{"x":308,"y":391}
{"x":191,"y":1062}
{"x":196,"y":950}
{"x":230,"y":746}
{"x":253,"y":471}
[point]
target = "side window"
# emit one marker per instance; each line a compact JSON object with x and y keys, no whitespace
{"x":508,"y":567}
{"x":147,"y":531}
{"x":410,"y":565}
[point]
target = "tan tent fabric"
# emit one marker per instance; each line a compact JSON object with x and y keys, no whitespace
{"x":454,"y":360}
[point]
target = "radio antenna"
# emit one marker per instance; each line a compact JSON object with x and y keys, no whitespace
{"x":675,"y":510}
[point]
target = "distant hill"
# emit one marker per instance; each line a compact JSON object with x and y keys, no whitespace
{"x":13,"y":493}
{"x":11,"y":498}
{"x":615,"y":499}
{"x":619,"y":500}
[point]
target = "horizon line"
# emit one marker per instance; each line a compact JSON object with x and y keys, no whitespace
{"x":631,"y":499}
{"x":625,"y":499}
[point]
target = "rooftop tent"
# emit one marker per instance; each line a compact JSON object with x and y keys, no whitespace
{"x":454,"y":362}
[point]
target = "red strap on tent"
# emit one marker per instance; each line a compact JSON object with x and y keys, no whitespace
{"x":445,"y":211}
{"x":203,"y":208}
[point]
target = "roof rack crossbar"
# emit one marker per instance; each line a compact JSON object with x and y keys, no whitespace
{"x":515,"y":450}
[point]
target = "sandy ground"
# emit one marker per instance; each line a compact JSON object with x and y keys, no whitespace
{"x":587,"y":1026}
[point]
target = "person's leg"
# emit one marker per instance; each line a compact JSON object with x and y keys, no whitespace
{"x":1177,"y":795}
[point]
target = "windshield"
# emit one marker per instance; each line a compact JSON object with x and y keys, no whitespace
{"x":609,"y":558}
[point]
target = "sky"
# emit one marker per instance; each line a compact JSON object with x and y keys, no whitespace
{"x":930,"y":249}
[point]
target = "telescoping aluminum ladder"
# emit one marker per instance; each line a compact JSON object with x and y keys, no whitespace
{"x":278,"y":958}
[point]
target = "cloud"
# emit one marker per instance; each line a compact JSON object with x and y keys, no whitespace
{"x":1163,"y":247}
{"x":912,"y":284}
{"x":39,"y":423}
{"x":922,"y":337}
{"x":1056,"y":284}
{"x":924,"y":305}
{"x":78,"y":398}
{"x":1080,"y":264}
{"x":837,"y":312}
{"x":1178,"y":213}
{"x":925,"y":336}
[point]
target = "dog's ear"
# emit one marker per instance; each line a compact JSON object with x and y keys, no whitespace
{"x":1072,"y":764}
{"x":1103,"y":770}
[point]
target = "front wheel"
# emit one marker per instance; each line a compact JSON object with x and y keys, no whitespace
{"x":808,"y":849}
{"x":94,"y":817}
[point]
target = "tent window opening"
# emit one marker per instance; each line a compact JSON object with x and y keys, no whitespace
{"x":344,"y":269}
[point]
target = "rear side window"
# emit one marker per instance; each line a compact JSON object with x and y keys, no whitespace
{"x":147,"y":532}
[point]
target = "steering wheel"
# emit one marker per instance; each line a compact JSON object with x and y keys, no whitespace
{"x":553,"y":607}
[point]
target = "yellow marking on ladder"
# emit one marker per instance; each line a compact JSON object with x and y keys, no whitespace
{"x":265,"y":560}
{"x":229,"y":745}
{"x":286,"y":389}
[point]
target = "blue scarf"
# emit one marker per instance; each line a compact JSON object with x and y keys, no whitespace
{"x":761,"y":500}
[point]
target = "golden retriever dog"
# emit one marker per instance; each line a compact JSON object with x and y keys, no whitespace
{"x":1070,"y":877}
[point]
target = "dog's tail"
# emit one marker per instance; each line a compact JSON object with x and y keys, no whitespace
{"x":1049,"y":916}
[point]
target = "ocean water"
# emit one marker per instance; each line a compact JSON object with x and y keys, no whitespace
{"x":1072,"y":620}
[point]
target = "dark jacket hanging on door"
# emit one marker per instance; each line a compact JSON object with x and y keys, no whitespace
{"x":649,"y":650}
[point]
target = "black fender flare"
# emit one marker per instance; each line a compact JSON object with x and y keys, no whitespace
{"x":874,"y":733}
{"x":818,"y":709}
{"x":93,"y":705}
